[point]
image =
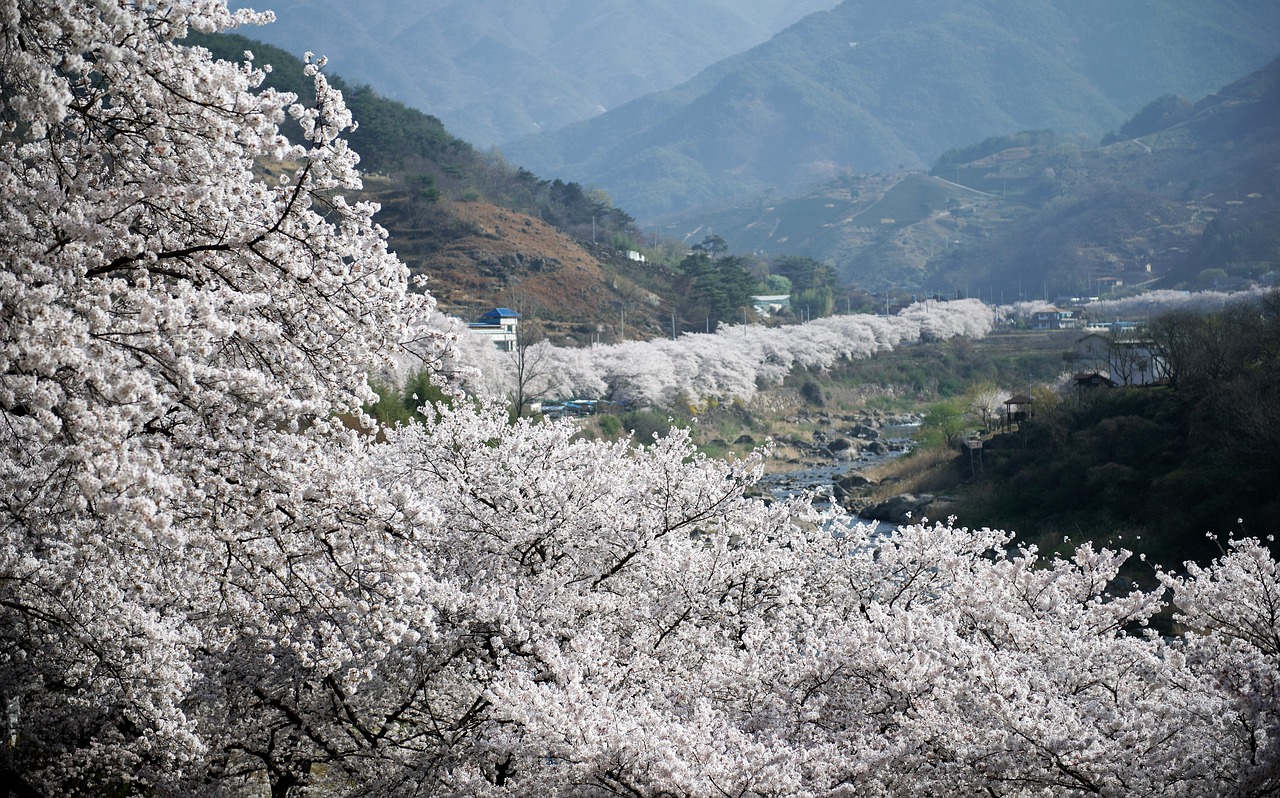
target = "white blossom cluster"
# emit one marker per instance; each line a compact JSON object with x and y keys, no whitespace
{"x":209,"y":587}
{"x":731,"y":363}
{"x":1153,"y":303}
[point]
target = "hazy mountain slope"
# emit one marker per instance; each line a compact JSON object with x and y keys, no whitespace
{"x":877,"y":231}
{"x":1036,"y":213}
{"x":1202,"y":193}
{"x":872,"y":87}
{"x":498,"y":70}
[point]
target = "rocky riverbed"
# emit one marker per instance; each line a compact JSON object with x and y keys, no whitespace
{"x":834,"y":464}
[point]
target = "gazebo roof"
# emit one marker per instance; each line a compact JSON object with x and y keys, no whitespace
{"x":1019,"y":399}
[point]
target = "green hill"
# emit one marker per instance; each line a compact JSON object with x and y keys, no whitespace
{"x":484,"y":232}
{"x":1151,"y":468}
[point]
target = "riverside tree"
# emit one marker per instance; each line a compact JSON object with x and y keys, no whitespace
{"x":208,"y":587}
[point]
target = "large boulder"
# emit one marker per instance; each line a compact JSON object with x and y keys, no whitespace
{"x":878,"y":447}
{"x":905,"y":508}
{"x":848,"y":487}
{"x":852,"y":480}
{"x":901,"y":509}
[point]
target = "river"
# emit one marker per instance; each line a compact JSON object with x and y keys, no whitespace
{"x":821,"y":478}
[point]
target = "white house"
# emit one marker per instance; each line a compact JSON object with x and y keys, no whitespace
{"x":1053,"y":318}
{"x":770,"y":304}
{"x":499,"y":325}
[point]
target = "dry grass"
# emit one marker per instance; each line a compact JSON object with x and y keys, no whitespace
{"x":924,"y":470}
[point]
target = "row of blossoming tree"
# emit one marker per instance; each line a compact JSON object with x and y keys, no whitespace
{"x":731,"y":363}
{"x":209,"y":588}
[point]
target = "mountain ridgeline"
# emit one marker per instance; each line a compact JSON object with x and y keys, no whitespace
{"x":881,"y":87}
{"x":1183,"y":194}
{"x":1179,"y":193}
{"x":495,"y":72}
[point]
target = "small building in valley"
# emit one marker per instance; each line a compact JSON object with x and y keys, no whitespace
{"x":1053,"y":318}
{"x":767,"y":305}
{"x":1017,"y":409}
{"x":1123,"y":355}
{"x":499,"y":325}
{"x":1086,"y":380}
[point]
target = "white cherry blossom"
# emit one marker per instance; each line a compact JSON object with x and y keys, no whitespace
{"x":211,"y":586}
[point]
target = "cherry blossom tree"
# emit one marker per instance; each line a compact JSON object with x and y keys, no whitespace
{"x":177,"y":332}
{"x":984,"y":403}
{"x":210,"y":585}
{"x":641,"y":627}
{"x":734,"y":361}
{"x":1231,"y":611}
{"x":731,"y":363}
{"x":1154,"y":303}
{"x":600,"y":569}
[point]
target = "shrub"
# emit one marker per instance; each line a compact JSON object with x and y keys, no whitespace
{"x":645,"y":424}
{"x":610,"y":426}
{"x":811,"y":392}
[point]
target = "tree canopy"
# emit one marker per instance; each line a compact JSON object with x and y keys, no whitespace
{"x":215,"y":580}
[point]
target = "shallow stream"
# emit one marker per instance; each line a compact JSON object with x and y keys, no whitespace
{"x":821,"y":478}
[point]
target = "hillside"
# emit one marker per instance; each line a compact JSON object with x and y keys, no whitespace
{"x":1152,"y":467}
{"x":867,"y":88}
{"x":487,"y":233}
{"x":494,"y":72}
{"x":1197,"y":193}
{"x":1035,"y":213}
{"x":878,"y":230}
{"x":477,"y":256}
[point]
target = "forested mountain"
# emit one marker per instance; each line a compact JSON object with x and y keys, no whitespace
{"x":1190,"y":201}
{"x":1182,"y":188}
{"x":495,"y":71}
{"x":880,"y":87}
{"x":484,"y":232}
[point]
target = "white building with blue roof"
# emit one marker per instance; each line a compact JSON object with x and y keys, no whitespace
{"x":499,"y":325}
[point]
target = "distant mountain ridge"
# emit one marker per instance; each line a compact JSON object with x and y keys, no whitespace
{"x":882,"y":87}
{"x":497,"y":70}
{"x":1185,"y":192}
{"x":1035,"y":214}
